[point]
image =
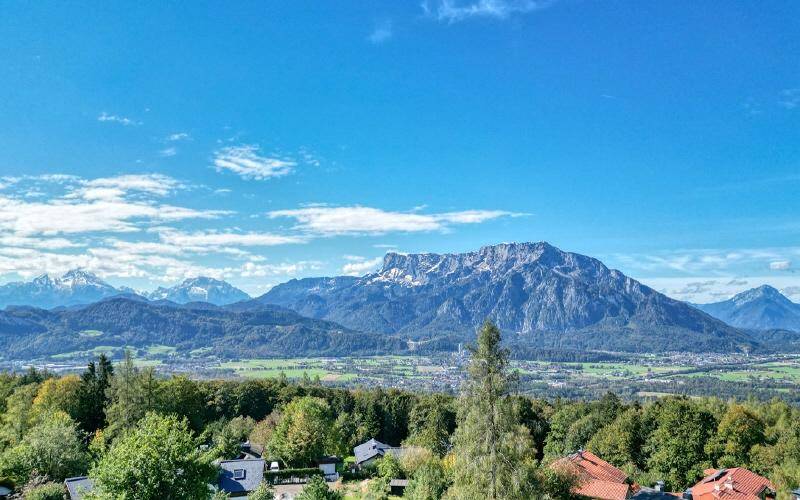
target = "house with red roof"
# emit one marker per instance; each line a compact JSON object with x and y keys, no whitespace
{"x":597,"y":479}
{"x":731,"y":484}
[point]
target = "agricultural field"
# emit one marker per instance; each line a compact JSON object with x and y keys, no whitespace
{"x":631,"y":376}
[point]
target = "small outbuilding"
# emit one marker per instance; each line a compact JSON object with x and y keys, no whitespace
{"x":398,"y":486}
{"x":328,"y":467}
{"x":78,"y":487}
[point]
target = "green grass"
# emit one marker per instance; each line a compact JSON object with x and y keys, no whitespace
{"x":599,"y":369}
{"x":101,"y":349}
{"x":156,"y":350}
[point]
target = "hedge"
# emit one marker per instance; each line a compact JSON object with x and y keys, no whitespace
{"x":276,"y":476}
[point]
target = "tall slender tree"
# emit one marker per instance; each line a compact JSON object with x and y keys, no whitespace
{"x":494,"y":452}
{"x":92,"y":398}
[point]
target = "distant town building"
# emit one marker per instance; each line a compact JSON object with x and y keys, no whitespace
{"x":597,"y":479}
{"x":796,"y":494}
{"x":731,"y":484}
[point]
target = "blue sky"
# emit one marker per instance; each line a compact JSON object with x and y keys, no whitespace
{"x":260,"y":141}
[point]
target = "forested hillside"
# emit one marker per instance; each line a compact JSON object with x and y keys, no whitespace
{"x":104,"y":420}
{"x":27,"y":332}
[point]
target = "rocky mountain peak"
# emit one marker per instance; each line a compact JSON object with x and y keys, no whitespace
{"x":535,"y":292}
{"x":79,"y":277}
{"x":760,"y":293}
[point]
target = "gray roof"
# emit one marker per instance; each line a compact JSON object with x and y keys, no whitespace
{"x":78,"y":486}
{"x":371,"y":449}
{"x":652,"y":494}
{"x":4,"y":490}
{"x":399,"y":482}
{"x":252,"y":471}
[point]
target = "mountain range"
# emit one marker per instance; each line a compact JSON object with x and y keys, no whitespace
{"x":762,"y":308}
{"x":78,"y":287}
{"x":537,"y":294}
{"x":540,"y":296}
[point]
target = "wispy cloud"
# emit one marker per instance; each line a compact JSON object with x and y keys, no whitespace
{"x":324,"y":220}
{"x":698,"y":261}
{"x":247,"y":162}
{"x":790,"y":98}
{"x":178,"y":136}
{"x":381,"y":33}
{"x":105,"y":117}
{"x":781,"y":265}
{"x":168,"y":152}
{"x":454,"y":10}
{"x":222,"y":239}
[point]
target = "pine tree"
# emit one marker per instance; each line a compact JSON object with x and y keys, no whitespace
{"x":92,"y":398}
{"x":494,"y":453}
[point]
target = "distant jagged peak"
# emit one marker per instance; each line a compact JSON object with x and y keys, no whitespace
{"x":81,"y":277}
{"x":43,"y":280}
{"x":762,"y":292}
{"x":417,"y":269}
{"x":202,"y":289}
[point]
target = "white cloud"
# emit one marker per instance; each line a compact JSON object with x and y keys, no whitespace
{"x":255,"y":270}
{"x":107,"y":188}
{"x":368,"y":220}
{"x":105,"y":117}
{"x":454,"y":10}
{"x":168,"y":152}
{"x":790,"y":98}
{"x":225,"y":239}
{"x":780,"y":265}
{"x":39,"y":243}
{"x":247,"y":162}
{"x":108,"y":204}
{"x":381,"y":33}
{"x":178,"y":136}
{"x":358,"y":266}
{"x":102,"y":215}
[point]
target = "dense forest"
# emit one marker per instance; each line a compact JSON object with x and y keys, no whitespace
{"x":143,"y":436}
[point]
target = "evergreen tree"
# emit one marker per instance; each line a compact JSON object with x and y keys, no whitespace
{"x":92,"y":398}
{"x":132,"y":393}
{"x":494,"y":453}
